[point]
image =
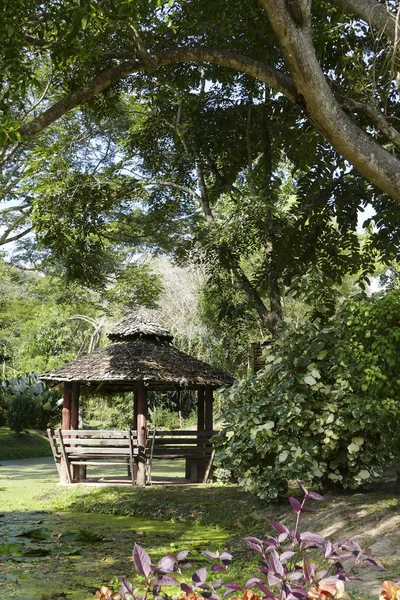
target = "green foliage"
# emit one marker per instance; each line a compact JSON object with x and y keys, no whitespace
{"x":325,"y":407}
{"x":29,"y":404}
{"x":22,"y":413}
{"x":222,"y":475}
{"x":45,"y":322}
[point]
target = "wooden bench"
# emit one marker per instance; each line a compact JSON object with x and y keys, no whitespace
{"x":194,"y":446}
{"x":79,"y":448}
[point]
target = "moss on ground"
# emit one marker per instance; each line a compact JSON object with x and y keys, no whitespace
{"x":163,"y":520}
{"x":32,"y":444}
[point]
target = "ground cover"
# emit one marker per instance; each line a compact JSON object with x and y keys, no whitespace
{"x":24,"y":445}
{"x":58,"y":542}
{"x":50,"y":550}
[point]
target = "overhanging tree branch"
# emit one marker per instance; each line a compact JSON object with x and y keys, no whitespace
{"x":373,"y":12}
{"x":376,"y":117}
{"x":308,"y":89}
{"x":279,"y":81}
{"x":4,"y":240}
{"x":374,"y":162}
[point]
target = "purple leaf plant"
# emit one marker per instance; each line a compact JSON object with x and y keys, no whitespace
{"x":294,"y":566}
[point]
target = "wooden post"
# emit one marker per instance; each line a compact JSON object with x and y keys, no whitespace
{"x":142,"y":432}
{"x":66,"y":424}
{"x":135,"y":408}
{"x":209,"y":426}
{"x":197,"y":470}
{"x":200,"y":409}
{"x":78,"y":472}
{"x":75,"y":406}
{"x":209,"y":408}
{"x":66,"y":410}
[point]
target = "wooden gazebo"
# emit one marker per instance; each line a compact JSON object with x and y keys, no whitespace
{"x":141,"y":358}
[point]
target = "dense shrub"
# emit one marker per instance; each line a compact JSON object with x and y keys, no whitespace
{"x":3,"y":410}
{"x":325,"y":409}
{"x":29,"y":404}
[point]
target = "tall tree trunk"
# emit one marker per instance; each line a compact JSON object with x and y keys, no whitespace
{"x":270,"y":265}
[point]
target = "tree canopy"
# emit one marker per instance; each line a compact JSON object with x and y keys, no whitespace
{"x":252,"y":132}
{"x":334,"y":62}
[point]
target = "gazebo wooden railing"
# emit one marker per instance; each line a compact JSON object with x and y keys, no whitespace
{"x":75,"y":449}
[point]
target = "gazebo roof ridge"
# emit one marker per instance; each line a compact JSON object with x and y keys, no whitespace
{"x":139,"y":326}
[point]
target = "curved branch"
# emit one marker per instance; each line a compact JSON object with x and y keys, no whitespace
{"x":177,"y":186}
{"x":8,"y":209}
{"x":308,"y":89}
{"x":376,"y":117}
{"x":16,"y":237}
{"x":374,"y":13}
{"x":375,"y":163}
{"x":280,"y":82}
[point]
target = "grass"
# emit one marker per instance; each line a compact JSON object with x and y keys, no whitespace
{"x":57,"y":561}
{"x":60,"y":561}
{"x":33,"y":444}
{"x":216,"y":506}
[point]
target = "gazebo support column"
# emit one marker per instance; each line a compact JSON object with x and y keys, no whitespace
{"x":209,"y":426}
{"x":200,"y":409}
{"x":78,"y":472}
{"x":135,"y":408}
{"x":66,"y":409}
{"x":75,"y":405}
{"x":209,"y":419}
{"x":195,"y":467}
{"x":141,"y":432}
{"x":65,"y":424}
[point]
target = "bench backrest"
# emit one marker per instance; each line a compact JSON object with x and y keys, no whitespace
{"x":91,"y":441}
{"x":182,"y":443}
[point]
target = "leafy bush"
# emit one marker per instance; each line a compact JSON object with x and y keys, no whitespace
{"x":325,"y":407}
{"x":22,"y":413}
{"x":29,"y":404}
{"x":222,"y":475}
{"x":294,"y":566}
{"x":3,"y":410}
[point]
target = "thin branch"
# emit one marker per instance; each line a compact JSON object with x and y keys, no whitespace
{"x":16,"y":237}
{"x":374,"y":13}
{"x":376,"y":117}
{"x":12,"y":208}
{"x":39,"y":101}
{"x":177,"y":186}
{"x":204,"y":197}
{"x":8,"y":152}
{"x":36,"y":42}
{"x":148,"y":61}
{"x":105,"y":154}
{"x":4,"y":239}
{"x":249,"y":148}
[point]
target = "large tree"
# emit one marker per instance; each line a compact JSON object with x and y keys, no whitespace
{"x":335,"y":62}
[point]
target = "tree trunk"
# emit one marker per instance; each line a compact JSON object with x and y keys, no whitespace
{"x":290,"y":20}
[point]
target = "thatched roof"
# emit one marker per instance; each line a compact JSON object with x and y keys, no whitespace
{"x":119,"y":366}
{"x":139,"y":326}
